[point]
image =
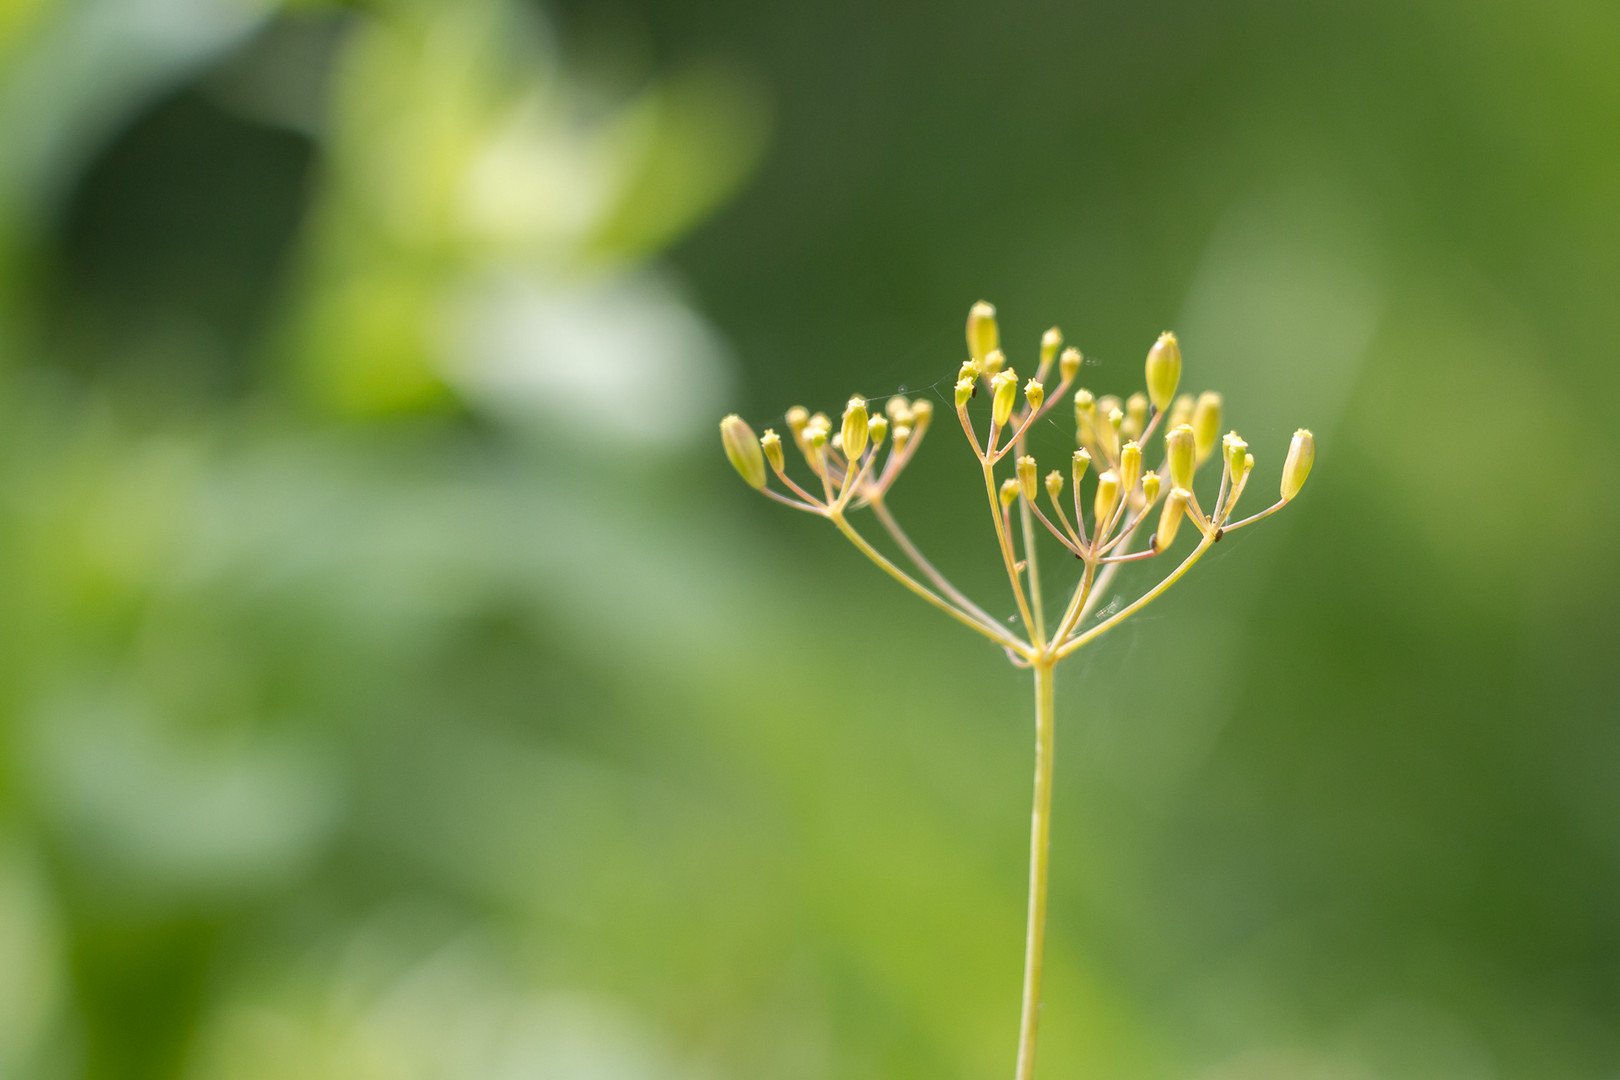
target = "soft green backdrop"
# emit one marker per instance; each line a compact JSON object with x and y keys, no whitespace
{"x":396,"y":683}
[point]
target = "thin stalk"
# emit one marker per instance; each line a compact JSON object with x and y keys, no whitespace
{"x":1040,"y":834}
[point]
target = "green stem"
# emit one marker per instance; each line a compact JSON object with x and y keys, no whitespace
{"x":1040,"y":831}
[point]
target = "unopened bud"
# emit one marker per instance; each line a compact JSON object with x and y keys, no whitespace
{"x":1182,"y":411}
{"x":964,"y":391}
{"x":1150,"y":488}
{"x":1004,"y":387}
{"x":1034,"y":393}
{"x":1069,"y":364}
{"x":1085,"y":417}
{"x":994,"y":362}
{"x":878,"y":429}
{"x":921,"y":413}
{"x":902,"y":437}
{"x":771,"y":443}
{"x":1180,"y":449}
{"x":797,"y":417}
{"x":897,"y":409}
{"x":1206,"y":423}
{"x":1082,"y":462}
{"x":1130,"y":466}
{"x":1026,"y":477}
{"x":1163,"y":370}
{"x":743,"y":450}
{"x":1175,"y":508}
{"x":1049,"y":345}
{"x":1009,"y":492}
{"x":1054,"y":485}
{"x":1136,"y":409}
{"x":969,"y":370}
{"x":1108,"y":432}
{"x":1106,"y":500}
{"x":1235,"y":450}
{"x":1301,"y":454}
{"x":982,"y":335}
{"x":856,"y":428}
{"x":816,"y":434}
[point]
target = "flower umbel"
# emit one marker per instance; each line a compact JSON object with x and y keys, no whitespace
{"x":855,"y":470}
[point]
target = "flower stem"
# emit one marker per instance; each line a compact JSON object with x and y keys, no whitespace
{"x":1040,"y":832}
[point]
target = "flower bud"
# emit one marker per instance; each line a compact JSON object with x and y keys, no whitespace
{"x":743,"y":450}
{"x":1301,"y":454}
{"x":1130,"y":466}
{"x":1180,"y":449}
{"x":1069,"y":364}
{"x":1150,"y":488}
{"x":797,"y":417}
{"x":1082,"y":462}
{"x":897,"y":409}
{"x":1175,"y":507}
{"x":994,"y":362}
{"x":855,"y":430}
{"x":1108,"y":432}
{"x":816,"y":433}
{"x":902,"y":438}
{"x":1085,"y":417}
{"x":1206,"y":423}
{"x":771,"y":443}
{"x":1106,"y":500}
{"x":964,"y":392}
{"x":877,"y":428}
{"x":969,"y":370}
{"x":1163,"y":370}
{"x":1182,"y":411}
{"x":1054,"y":485}
{"x":1049,"y":345}
{"x":1034,"y":393}
{"x":1026,"y":477}
{"x":1009,"y":492}
{"x":982,"y":334}
{"x":921,"y":413}
{"x":1004,"y":387}
{"x":1235,"y":450}
{"x":1136,"y":409}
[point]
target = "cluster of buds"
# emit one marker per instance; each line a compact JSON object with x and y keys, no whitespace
{"x":856,"y":465}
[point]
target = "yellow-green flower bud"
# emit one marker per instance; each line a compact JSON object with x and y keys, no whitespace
{"x":1150,"y":488}
{"x":1182,"y":411}
{"x":964,"y":391}
{"x":1235,"y":449}
{"x":1175,"y":507}
{"x":1004,"y":388}
{"x":856,"y":428}
{"x":816,"y":433}
{"x":898,"y":409}
{"x":1163,"y":370}
{"x":1054,"y":485}
{"x":1206,"y":423}
{"x":1082,"y":462}
{"x":902,"y":437}
{"x":1026,"y":477}
{"x":1106,"y":500}
{"x":771,"y":443}
{"x":1034,"y":393}
{"x":1009,"y":492}
{"x":877,"y":429}
{"x":921,"y":413}
{"x":743,"y":450}
{"x":993,"y":362}
{"x":1069,"y":364}
{"x":1130,"y":466}
{"x":1180,"y":449}
{"x":797,"y":417}
{"x":1049,"y":345}
{"x":1108,"y":432}
{"x":1136,"y":409}
{"x":969,"y":370}
{"x":1085,"y":417}
{"x":1301,"y":454}
{"x":982,"y":334}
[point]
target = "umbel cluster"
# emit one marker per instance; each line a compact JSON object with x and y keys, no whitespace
{"x":1106,"y":508}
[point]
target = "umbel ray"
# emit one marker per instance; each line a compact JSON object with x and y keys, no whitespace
{"x":854,"y":468}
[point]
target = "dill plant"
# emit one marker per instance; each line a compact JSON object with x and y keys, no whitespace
{"x":854,"y":467}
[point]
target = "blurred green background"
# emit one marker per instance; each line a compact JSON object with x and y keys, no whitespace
{"x":396,"y":682}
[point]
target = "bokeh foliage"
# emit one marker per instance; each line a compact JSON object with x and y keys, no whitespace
{"x":395,"y":682}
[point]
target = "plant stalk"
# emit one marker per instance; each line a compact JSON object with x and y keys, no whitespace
{"x":1040,"y":833}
